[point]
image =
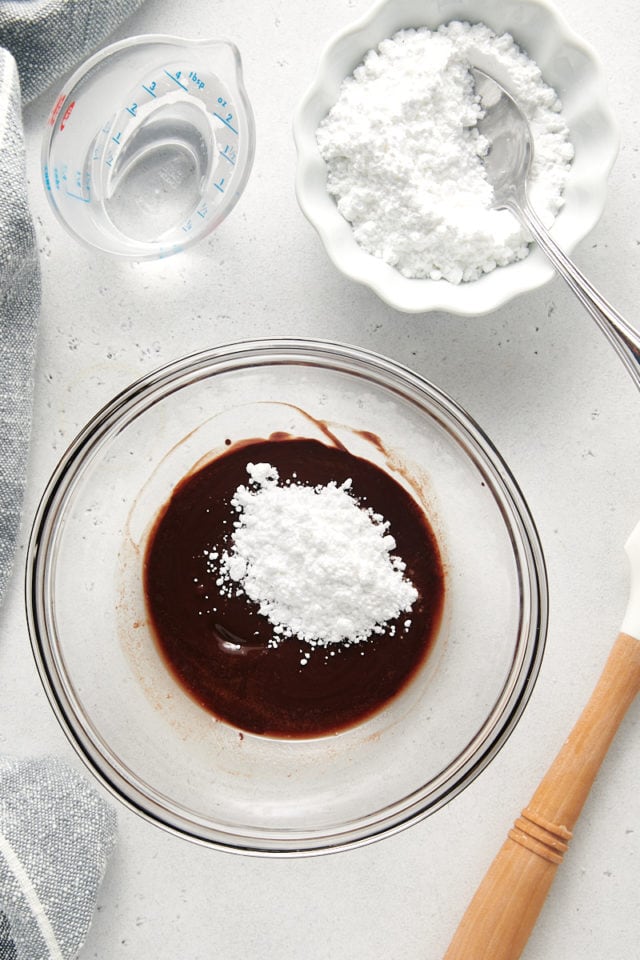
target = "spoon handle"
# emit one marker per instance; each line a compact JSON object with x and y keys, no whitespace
{"x":622,"y":336}
{"x":503,"y":912}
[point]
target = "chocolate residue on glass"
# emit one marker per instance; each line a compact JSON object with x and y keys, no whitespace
{"x":217,"y":646}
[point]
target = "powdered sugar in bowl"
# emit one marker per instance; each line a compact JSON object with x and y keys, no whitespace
{"x":222,"y":780}
{"x":390,"y":164}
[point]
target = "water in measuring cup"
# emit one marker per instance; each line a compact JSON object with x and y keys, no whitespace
{"x":149,"y":149}
{"x":160,"y":172}
{"x":161,"y":169}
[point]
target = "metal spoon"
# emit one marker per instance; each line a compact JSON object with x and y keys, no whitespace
{"x":508,"y":164}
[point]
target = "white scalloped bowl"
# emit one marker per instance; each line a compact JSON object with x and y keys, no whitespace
{"x":568,"y":64}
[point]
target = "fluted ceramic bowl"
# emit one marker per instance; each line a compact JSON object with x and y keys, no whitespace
{"x":568,"y":65}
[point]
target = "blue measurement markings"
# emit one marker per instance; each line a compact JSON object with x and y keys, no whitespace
{"x":228,"y":154}
{"x":176,"y":78}
{"x":78,"y":192}
{"x":195,"y":79}
{"x":179,"y":77}
{"x":75,"y":196}
{"x":227,"y":118}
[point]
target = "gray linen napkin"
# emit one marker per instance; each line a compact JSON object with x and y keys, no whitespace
{"x":19,"y":303}
{"x":56,"y":834}
{"x":44,"y":38}
{"x":47,"y":37}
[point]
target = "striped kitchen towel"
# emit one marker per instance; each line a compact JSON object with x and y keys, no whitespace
{"x":56,"y":832}
{"x":39,"y":40}
{"x":48,"y":37}
{"x":19,"y":304}
{"x":56,"y":835}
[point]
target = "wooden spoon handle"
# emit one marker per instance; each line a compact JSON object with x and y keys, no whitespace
{"x":503,"y":912}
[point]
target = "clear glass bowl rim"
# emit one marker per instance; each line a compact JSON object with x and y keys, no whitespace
{"x":392,"y":376}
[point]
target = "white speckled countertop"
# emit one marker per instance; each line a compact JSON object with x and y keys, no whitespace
{"x":551,"y":394}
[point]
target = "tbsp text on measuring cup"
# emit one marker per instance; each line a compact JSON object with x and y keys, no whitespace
{"x":150,"y":145}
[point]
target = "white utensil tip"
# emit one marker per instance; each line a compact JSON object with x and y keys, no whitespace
{"x":631,"y":622}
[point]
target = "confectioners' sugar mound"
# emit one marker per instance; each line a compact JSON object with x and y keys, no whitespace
{"x":405,"y":159}
{"x":318,"y":565}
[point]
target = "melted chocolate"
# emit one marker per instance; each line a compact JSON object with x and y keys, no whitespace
{"x":217,"y":647}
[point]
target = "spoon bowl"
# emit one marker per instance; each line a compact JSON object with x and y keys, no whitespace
{"x":508,"y":162}
{"x":507,"y":165}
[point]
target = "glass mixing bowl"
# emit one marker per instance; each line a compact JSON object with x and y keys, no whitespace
{"x":153,"y":746}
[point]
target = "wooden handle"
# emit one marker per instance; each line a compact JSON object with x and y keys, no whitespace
{"x":503,"y":912}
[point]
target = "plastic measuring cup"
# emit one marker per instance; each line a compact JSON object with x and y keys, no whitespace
{"x":149,"y":145}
